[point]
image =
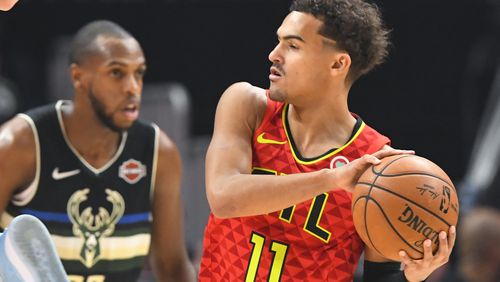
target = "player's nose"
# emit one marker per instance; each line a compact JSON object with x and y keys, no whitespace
{"x":133,"y":85}
{"x":275,"y":55}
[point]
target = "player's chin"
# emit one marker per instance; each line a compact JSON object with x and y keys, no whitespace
{"x":123,"y":125}
{"x":276,"y":94}
{"x":126,"y":118}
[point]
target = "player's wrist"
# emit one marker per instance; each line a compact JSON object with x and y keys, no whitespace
{"x":411,"y":278}
{"x":330,"y":179}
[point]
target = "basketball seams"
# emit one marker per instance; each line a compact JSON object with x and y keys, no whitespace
{"x":417,"y":173}
{"x":368,"y":196}
{"x":411,"y":170}
{"x":394,"y":228}
{"x":406,"y":173}
{"x":388,"y":164}
{"x":409,"y":200}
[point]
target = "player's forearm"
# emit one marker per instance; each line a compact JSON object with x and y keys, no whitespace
{"x":245,"y":195}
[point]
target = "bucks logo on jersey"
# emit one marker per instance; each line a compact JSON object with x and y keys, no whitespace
{"x":92,"y":227}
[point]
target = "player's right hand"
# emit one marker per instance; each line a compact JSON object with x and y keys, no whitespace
{"x":388,"y":151}
{"x":346,"y":176}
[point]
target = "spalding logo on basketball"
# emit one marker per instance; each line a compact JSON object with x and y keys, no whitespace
{"x":132,"y":171}
{"x":401,"y":202}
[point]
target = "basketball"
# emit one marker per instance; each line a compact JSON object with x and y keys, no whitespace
{"x":401,"y":202}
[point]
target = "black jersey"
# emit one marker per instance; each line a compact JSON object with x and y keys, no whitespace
{"x":99,"y":218}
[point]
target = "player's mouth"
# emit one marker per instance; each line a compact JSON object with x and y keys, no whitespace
{"x":131,"y":111}
{"x":275,"y":74}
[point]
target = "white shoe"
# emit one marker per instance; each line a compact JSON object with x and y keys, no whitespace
{"x":27,"y":253}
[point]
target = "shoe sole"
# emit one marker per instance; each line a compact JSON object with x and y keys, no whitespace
{"x":31,"y":253}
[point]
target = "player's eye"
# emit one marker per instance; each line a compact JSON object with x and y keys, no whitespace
{"x":116,"y":73}
{"x":140,"y":73}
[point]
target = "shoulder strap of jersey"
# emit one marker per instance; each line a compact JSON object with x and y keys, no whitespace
{"x":377,"y":141}
{"x":273,"y":108}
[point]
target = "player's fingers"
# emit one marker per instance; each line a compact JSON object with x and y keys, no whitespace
{"x":390,"y":152}
{"x":405,"y":259}
{"x":452,"y":237}
{"x":427,"y":251}
{"x":388,"y":148}
{"x":443,"y":252}
{"x":370,"y":159}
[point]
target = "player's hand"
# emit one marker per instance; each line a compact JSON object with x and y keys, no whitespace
{"x":348,"y":175}
{"x":419,"y":270}
{"x":6,"y":5}
{"x":388,"y":151}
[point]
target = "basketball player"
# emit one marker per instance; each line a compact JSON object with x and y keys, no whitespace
{"x":106,"y":185}
{"x":282,"y":162}
{"x":6,"y":5}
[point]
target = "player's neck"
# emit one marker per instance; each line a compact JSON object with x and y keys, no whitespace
{"x":317,"y":129}
{"x":94,"y":141}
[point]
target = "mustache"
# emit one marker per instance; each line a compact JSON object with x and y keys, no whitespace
{"x":132,"y":99}
{"x":279,"y":68}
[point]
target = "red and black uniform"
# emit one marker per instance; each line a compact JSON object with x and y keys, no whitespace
{"x":314,"y":240}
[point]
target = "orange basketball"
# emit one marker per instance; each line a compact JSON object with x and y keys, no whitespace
{"x":402,"y":201}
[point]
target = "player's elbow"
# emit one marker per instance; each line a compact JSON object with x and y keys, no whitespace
{"x":220,"y":202}
{"x":221,"y":211}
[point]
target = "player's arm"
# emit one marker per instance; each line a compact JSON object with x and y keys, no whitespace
{"x":168,"y":251}
{"x":18,"y":158}
{"x":378,"y":268}
{"x":232,"y":190}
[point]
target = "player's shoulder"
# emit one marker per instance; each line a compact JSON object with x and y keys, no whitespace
{"x":17,"y":133}
{"x":144,"y":130}
{"x":245,"y":100}
{"x":166,"y":146}
{"x":247,"y":94}
{"x":17,"y":150}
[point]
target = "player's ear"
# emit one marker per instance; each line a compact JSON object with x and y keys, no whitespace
{"x":340,"y":64}
{"x":76,"y":75}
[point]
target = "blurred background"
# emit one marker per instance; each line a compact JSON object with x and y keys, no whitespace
{"x":437,"y":93}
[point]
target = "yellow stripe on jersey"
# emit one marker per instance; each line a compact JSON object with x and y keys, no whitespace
{"x":112,"y":248}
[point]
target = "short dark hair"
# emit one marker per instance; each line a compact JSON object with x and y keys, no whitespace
{"x":84,"y":41}
{"x":357,"y":28}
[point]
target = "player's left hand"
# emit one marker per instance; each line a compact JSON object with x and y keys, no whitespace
{"x":419,"y":270}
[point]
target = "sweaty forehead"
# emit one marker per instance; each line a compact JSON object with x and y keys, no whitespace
{"x":298,"y":23}
{"x":112,"y":48}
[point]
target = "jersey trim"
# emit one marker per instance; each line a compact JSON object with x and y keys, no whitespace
{"x":24,"y":197}
{"x":64,"y":218}
{"x":82,"y":160}
{"x":155,"y":161}
{"x":307,"y":161}
{"x":269,"y":112}
{"x":112,"y":248}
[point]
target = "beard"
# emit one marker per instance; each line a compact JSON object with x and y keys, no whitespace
{"x":277,"y":95}
{"x":104,"y":118}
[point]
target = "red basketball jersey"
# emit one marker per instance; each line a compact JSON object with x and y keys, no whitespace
{"x":311,"y":241}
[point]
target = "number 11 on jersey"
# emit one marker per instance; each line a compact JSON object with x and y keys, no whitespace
{"x":279,"y":249}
